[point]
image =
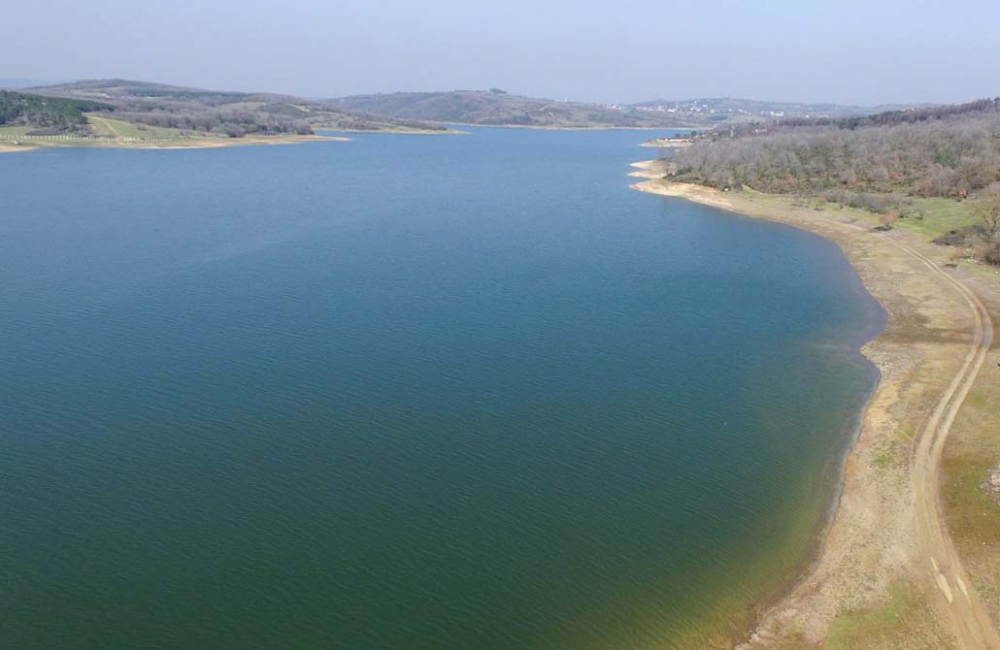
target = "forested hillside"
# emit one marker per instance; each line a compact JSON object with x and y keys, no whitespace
{"x":224,"y":113}
{"x":882,"y":163}
{"x":20,"y":109}
{"x":950,"y":151}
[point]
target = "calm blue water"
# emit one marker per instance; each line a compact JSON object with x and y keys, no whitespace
{"x":406,"y":393}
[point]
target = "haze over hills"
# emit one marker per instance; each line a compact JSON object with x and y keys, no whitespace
{"x":496,"y":107}
{"x":237,"y":113}
{"x":731,"y":109}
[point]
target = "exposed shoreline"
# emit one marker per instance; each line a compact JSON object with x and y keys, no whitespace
{"x":180,"y":143}
{"x":553,"y":127}
{"x":668,"y":143}
{"x":13,"y":148}
{"x":885,"y":524}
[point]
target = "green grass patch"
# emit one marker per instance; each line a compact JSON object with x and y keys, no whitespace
{"x":905,"y":432}
{"x":887,"y":457}
{"x":973,"y":517}
{"x":7,"y":132}
{"x":970,"y":455}
{"x":979,"y":399}
{"x":935,"y":217}
{"x":106,"y":126}
{"x":929,"y":218}
{"x":870,"y":629}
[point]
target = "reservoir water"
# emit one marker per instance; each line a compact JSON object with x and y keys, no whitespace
{"x":407,"y":393}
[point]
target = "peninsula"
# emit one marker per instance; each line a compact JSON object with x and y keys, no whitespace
{"x":133,"y":114}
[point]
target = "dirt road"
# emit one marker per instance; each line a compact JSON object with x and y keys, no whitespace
{"x":969,"y":621}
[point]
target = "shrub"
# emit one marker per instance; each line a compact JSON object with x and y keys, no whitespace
{"x":991,"y":254}
{"x":952,"y":238}
{"x":968,"y":236}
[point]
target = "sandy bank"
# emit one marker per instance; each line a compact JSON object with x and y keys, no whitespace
{"x":559,"y":127}
{"x":887,"y":534}
{"x":15,"y":148}
{"x":667,"y":143}
{"x":232,"y":142}
{"x":180,"y":143}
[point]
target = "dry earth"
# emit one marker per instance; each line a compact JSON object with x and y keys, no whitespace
{"x":14,"y":148}
{"x":179,"y":143}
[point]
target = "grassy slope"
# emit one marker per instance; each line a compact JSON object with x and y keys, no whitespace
{"x":109,"y":127}
{"x":934,"y":217}
{"x":14,"y":131}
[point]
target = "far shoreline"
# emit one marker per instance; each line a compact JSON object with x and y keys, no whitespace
{"x":533,"y":127}
{"x":165,"y":144}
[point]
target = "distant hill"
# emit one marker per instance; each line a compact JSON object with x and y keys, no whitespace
{"x":223,"y":112}
{"x":497,"y":108}
{"x":236,"y":113}
{"x":727,"y":109}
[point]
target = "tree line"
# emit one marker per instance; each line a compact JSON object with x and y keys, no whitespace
{"x":233,"y":123}
{"x":45,"y":112}
{"x":949,"y":157}
{"x":872,"y":162}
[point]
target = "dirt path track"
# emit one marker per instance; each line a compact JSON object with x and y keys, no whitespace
{"x":970,"y":622}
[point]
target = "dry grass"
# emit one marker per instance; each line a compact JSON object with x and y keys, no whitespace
{"x":973,"y":450}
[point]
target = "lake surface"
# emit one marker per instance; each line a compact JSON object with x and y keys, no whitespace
{"x":407,"y":393}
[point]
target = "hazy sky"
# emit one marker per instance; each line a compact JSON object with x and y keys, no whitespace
{"x":846,"y":51}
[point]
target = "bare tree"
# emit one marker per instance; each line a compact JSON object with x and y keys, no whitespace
{"x":888,"y":220}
